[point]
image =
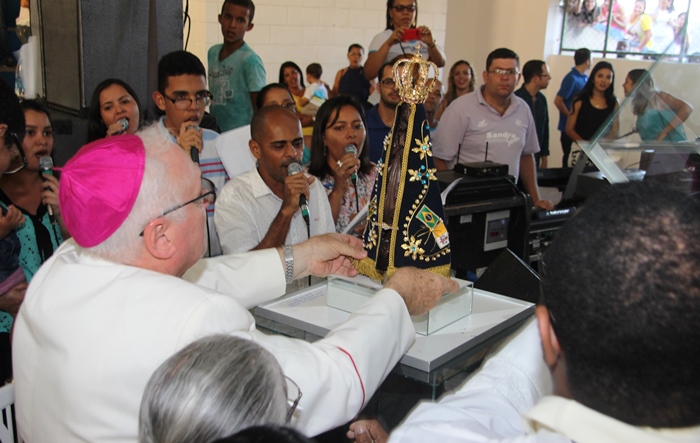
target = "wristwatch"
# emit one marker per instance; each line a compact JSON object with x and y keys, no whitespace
{"x":288,"y":263}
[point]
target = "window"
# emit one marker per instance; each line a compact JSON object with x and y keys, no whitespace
{"x":655,"y":29}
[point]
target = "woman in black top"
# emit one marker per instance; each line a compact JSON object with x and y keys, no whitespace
{"x":593,"y":105}
{"x":351,"y":80}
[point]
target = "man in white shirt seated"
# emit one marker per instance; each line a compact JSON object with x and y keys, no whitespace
{"x":618,"y":330}
{"x":261,"y":208}
{"x":130,"y":289}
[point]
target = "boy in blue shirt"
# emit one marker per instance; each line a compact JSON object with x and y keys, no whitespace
{"x":236,"y":73}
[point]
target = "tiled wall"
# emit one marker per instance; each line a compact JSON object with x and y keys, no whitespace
{"x":306,"y":31}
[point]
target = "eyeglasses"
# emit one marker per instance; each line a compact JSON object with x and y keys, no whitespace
{"x":545,"y":75}
{"x":294,"y":392}
{"x":402,"y":8}
{"x":388,"y":82}
{"x":202,"y":100}
{"x":506,"y":72}
{"x":18,"y":145}
{"x":208,"y":198}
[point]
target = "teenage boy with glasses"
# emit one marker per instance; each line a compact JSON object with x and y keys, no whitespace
{"x":183,"y":96}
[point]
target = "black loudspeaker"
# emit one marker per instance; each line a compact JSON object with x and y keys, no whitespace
{"x":509,"y":275}
{"x":86,"y":41}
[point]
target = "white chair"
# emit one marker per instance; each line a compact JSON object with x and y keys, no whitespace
{"x":233,"y":150}
{"x":7,"y":426}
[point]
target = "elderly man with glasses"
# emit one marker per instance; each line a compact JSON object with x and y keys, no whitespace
{"x":130,"y":289}
{"x":492,"y":124}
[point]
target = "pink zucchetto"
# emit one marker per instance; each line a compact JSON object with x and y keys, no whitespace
{"x":99,"y":186}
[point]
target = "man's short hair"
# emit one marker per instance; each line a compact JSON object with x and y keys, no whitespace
{"x":381,"y":70}
{"x":501,"y":53}
{"x":314,"y":69}
{"x":248,"y":4}
{"x":581,"y":56}
{"x":621,"y":283}
{"x":178,"y":63}
{"x":531,"y":69}
{"x":356,"y":45}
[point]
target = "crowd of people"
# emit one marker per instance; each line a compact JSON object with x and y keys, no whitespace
{"x":134,"y":350}
{"x":636,"y":30}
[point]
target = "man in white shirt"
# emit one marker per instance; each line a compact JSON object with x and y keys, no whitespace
{"x":261,"y":208}
{"x":617,"y":332}
{"x":129,"y":289}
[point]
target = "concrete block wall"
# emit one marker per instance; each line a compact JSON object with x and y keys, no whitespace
{"x":307,"y":31}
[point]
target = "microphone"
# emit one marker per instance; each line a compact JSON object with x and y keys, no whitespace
{"x":351,"y":149}
{"x":124,"y":123}
{"x":194,"y":153}
{"x":292,"y":169}
{"x":46,"y":166}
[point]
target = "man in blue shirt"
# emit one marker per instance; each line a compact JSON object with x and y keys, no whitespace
{"x":572,"y":84}
{"x":381,"y":117}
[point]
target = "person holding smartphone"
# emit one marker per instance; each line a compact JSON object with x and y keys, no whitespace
{"x":400,"y":37}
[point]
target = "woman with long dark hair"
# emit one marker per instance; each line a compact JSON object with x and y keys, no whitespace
{"x":341,"y":128}
{"x":593,"y":105}
{"x":34,"y":192}
{"x":660,"y":115}
{"x":113,"y":103}
{"x":681,"y":39}
{"x":291,"y":76}
{"x":400,"y":38}
{"x":13,"y":283}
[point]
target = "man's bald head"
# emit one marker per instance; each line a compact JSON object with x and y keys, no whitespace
{"x":268,"y":116}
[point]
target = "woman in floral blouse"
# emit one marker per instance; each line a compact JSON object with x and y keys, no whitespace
{"x":339,"y":151}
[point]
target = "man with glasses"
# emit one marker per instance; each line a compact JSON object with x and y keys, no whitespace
{"x":492,"y":124}
{"x":536,"y":77}
{"x":381,"y":117}
{"x":183,"y":96}
{"x":130,"y":289}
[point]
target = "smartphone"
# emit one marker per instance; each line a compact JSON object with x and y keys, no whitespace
{"x":411,"y":34}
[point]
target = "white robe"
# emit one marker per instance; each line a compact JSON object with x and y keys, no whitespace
{"x":90,"y":334}
{"x":508,"y":401}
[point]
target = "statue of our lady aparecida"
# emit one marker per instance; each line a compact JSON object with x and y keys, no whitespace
{"x":405,"y":219}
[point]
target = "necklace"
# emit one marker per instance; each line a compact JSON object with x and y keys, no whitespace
{"x":597,"y":106}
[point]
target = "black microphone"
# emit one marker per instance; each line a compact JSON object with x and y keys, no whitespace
{"x":46,"y":166}
{"x":351,"y":149}
{"x":295,"y":168}
{"x":194,"y":153}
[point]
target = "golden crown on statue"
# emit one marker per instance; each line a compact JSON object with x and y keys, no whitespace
{"x":412,"y":77}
